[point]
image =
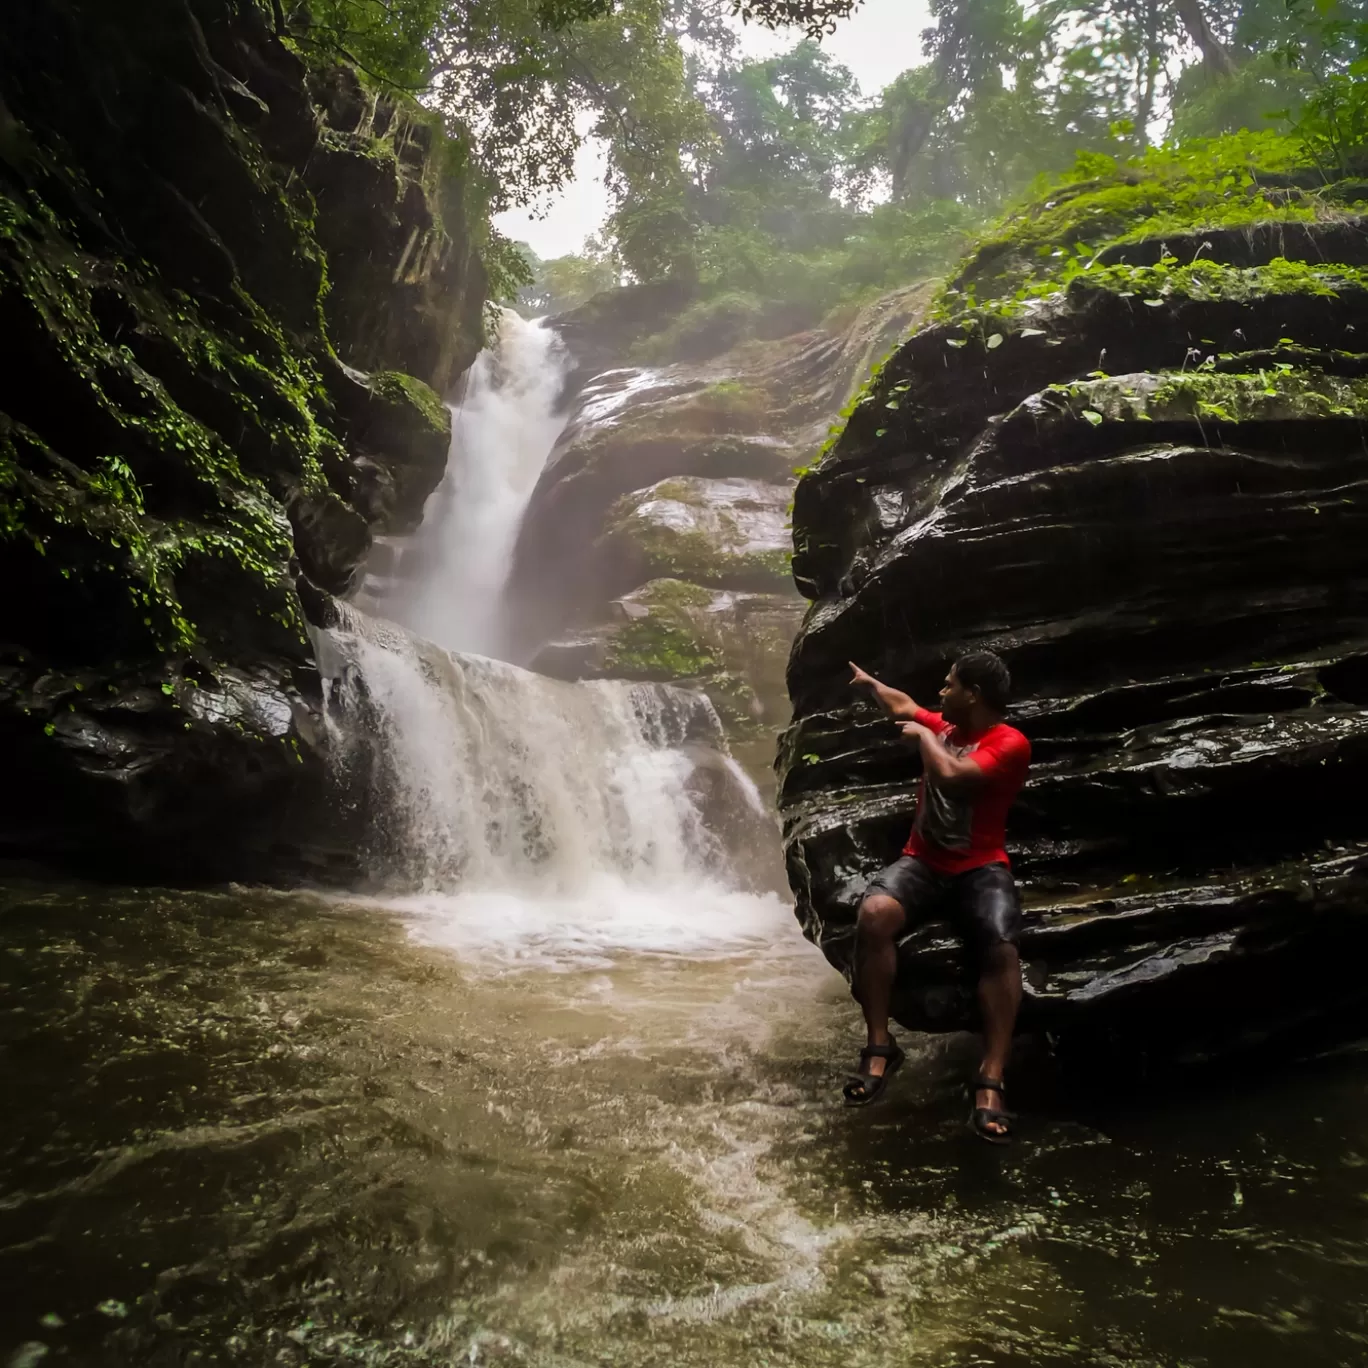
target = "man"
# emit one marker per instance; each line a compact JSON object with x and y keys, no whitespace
{"x":954,"y":863}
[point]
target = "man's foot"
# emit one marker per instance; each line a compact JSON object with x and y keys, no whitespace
{"x":878,"y":1063}
{"x":990,"y":1118}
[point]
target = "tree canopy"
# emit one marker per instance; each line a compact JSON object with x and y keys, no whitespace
{"x":780,"y":174}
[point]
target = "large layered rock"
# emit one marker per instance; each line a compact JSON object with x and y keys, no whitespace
{"x":226,"y":293}
{"x":1170,"y":557}
{"x":657,"y":542}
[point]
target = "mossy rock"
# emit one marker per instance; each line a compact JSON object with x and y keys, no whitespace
{"x":722,"y":532}
{"x":173,"y":386}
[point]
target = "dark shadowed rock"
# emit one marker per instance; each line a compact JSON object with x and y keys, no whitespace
{"x":217,"y":264}
{"x":1170,"y":557}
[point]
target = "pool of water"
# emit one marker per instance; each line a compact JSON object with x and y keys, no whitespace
{"x":254,"y":1128}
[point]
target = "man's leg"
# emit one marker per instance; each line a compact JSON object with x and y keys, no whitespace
{"x":999,"y":995}
{"x":995,"y":917}
{"x":879,"y":923}
{"x":906,"y":890}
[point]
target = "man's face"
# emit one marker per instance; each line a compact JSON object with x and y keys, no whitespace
{"x":957,"y":702}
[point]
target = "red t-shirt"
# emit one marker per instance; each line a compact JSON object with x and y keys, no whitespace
{"x":953,"y":832}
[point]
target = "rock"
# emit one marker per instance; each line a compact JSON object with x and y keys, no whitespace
{"x":1169,"y":559}
{"x":724,"y":532}
{"x":190,"y":451}
{"x":604,"y":330}
{"x":408,"y":287}
{"x":732,"y":644}
{"x":681,"y":474}
{"x":399,"y":434}
{"x":331,"y":540}
{"x":738,"y":816}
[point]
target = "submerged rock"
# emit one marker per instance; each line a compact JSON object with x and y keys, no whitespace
{"x":1170,"y":559}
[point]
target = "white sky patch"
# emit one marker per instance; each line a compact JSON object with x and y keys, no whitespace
{"x":881,"y":40}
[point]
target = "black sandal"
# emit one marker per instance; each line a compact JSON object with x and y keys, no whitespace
{"x":980,"y":1117}
{"x":863,"y":1088}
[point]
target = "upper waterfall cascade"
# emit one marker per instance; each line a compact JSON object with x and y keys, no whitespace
{"x":502,"y":431}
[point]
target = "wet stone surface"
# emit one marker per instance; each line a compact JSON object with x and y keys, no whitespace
{"x":246,"y":1128}
{"x":1169,"y":559}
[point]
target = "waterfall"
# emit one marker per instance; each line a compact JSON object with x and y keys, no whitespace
{"x":533,"y":819}
{"x":491,"y":774}
{"x":510,"y":813}
{"x":501,"y":434}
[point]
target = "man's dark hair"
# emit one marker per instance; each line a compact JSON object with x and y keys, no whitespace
{"x":984,"y":671}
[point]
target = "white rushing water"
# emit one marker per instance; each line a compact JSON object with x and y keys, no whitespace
{"x":537,"y":821}
{"x":525,"y":820}
{"x":501,"y":434}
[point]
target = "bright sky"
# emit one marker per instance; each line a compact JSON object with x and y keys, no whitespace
{"x":881,"y":39}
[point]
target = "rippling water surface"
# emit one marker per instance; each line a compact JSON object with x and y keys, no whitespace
{"x":252,"y":1128}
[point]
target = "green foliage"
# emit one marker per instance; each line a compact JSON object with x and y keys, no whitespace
{"x":388,"y":40}
{"x":566,"y":282}
{"x":1054,"y":237}
{"x":509,"y":272}
{"x":1332,"y":126}
{"x":816,"y":16}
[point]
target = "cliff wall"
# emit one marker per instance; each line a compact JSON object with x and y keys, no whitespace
{"x":232,"y":287}
{"x":1128,"y":453}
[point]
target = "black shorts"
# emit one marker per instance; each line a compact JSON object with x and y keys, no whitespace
{"x":981,"y":903}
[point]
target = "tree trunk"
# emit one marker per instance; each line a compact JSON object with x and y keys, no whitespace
{"x":1215,"y":55}
{"x":1148,"y":77}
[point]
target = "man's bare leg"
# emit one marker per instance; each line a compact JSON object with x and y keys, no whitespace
{"x":880,"y":921}
{"x":999,"y":995}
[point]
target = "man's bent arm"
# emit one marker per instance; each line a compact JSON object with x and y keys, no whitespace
{"x":895,"y":703}
{"x":953,"y":773}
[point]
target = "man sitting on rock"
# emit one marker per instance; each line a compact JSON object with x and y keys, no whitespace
{"x":955,"y":865}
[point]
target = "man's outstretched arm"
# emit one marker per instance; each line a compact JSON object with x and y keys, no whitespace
{"x":895,"y":703}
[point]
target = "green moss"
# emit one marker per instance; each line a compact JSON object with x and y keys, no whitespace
{"x":712,"y":557}
{"x":1231,"y":181}
{"x":679,"y":491}
{"x":658,"y":647}
{"x":674,"y":593}
{"x":1276,"y":395}
{"x":397,"y":388}
{"x":129,"y":526}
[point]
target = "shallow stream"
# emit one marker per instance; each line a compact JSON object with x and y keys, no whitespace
{"x":255,"y":1128}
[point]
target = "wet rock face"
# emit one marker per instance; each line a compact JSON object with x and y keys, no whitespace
{"x":707,"y":531}
{"x":657,"y":542}
{"x":1170,"y":558}
{"x":226,"y":294}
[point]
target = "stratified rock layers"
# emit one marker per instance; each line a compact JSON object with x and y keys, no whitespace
{"x":1171,"y":557}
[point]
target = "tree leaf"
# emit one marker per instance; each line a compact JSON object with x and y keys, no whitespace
{"x":994,"y":341}
{"x":1092,"y":416}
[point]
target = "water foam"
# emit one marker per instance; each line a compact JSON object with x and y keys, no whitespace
{"x":612,"y":917}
